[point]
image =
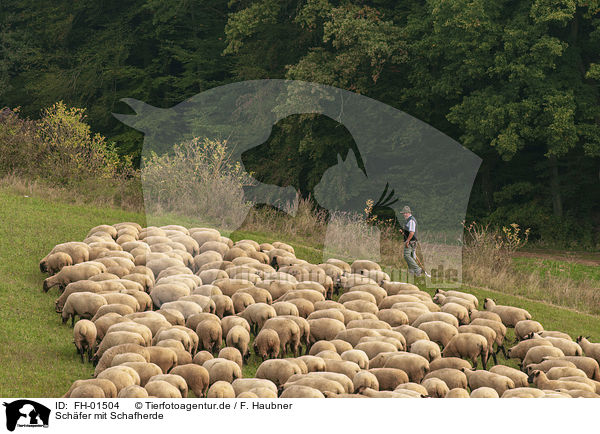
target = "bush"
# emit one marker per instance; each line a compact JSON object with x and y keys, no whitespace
{"x":197,"y":179}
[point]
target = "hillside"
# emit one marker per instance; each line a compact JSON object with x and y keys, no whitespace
{"x":38,"y":358}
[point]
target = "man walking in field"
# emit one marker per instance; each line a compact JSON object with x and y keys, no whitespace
{"x":410,"y":242}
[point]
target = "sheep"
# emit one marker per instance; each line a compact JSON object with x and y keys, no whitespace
{"x":162,"y":389}
{"x":526,"y":327}
{"x":241,"y":385}
{"x":83,"y":304}
{"x":488,"y":333}
{"x":498,"y":327}
{"x":257,"y":314}
{"x":484,"y":392}
{"x":427,"y":349}
{"x":369,"y":323}
{"x":414,"y":387}
{"x":393,"y":317}
{"x":221,"y":389}
{"x":436,"y":316}
{"x":276,"y":288}
{"x":298,"y":391}
{"x":361,"y":306}
{"x":117,"y":338}
{"x":55,"y":262}
{"x":449,"y":362}
{"x":210,"y":334}
{"x":106,"y":359}
{"x":325,"y":329}
{"x":241,"y":301}
{"x":568,"y":347}
{"x":436,"y":388}
{"x":305,"y":307}
{"x":165,"y":292}
{"x":483,"y":378}
{"x":457,"y":393}
{"x":202,"y":356}
{"x":304,"y":327}
{"x":300,"y":364}
{"x":546,"y":365}
{"x":134,"y":327}
{"x":121,"y":376}
{"x":365,"y":284}
{"x":154,"y":323}
{"x":468,"y":345}
{"x":165,"y":358}
{"x":439,"y":331}
{"x":510,"y":315}
{"x":557,"y":372}
{"x":120,"y":298}
{"x":411,"y":334}
{"x":79,"y":252}
{"x":222,"y":369}
{"x":459,"y":294}
{"x":196,"y":377}
{"x":329,"y":355}
{"x":415,"y":366}
{"x":460,"y":312}
{"x":286,"y":308}
{"x":145,"y":370}
{"x":267,"y":344}
{"x":277,"y":371}
{"x":554,"y":334}
{"x":121,"y":309}
{"x":133,"y":392}
{"x":518,"y":377}
{"x":541,"y":381}
{"x":357,"y":356}
{"x":352,"y":336}
{"x":84,"y":337}
{"x":523,"y":392}
{"x":332,"y":313}
{"x":349,"y":369}
{"x":187,"y":337}
{"x":591,"y":349}
{"x":187,"y":308}
{"x":520,"y":350}
{"x":79,"y":286}
{"x":119,"y":359}
{"x":108,"y":387}
{"x":288,"y":331}
{"x":537,"y":354}
{"x":363,"y":264}
{"x":375,"y":347}
{"x":454,"y":378}
{"x":239,"y":338}
{"x":321,"y":384}
{"x":586,"y":364}
{"x":173,"y":316}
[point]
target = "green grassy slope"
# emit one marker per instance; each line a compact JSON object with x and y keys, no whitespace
{"x":37,"y":356}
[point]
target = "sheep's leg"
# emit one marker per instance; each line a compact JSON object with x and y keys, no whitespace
{"x":483,"y":362}
{"x":494,"y":357}
{"x":504,"y":351}
{"x":474,"y":360}
{"x":72,"y":321}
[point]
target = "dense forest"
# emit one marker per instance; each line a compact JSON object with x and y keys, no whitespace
{"x":516,"y":82}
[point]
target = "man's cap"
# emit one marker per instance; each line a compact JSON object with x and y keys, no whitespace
{"x":406,"y":209}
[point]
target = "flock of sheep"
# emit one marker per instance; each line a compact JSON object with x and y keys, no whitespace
{"x":166,"y":310}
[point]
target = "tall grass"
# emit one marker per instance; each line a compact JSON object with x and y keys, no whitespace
{"x":488,"y":262}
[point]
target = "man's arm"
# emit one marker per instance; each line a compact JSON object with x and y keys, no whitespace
{"x":410,"y":235}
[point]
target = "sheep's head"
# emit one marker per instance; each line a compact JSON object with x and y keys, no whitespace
{"x":488,"y":303}
{"x":534,"y":375}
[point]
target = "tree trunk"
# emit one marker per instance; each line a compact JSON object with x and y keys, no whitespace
{"x":555,"y":187}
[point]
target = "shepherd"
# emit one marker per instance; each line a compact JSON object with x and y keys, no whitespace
{"x":410,"y":243}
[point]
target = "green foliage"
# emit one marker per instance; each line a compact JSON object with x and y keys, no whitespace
{"x":515,"y":82}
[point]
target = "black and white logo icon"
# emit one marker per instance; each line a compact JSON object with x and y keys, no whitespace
{"x":25,"y":413}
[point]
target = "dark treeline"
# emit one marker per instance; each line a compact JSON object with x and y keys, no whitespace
{"x":516,"y":82}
